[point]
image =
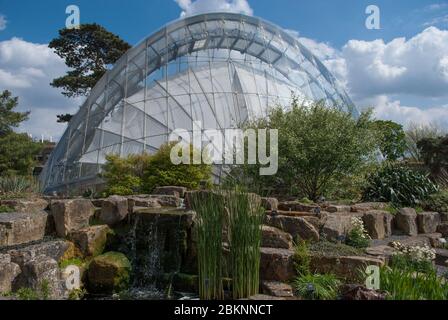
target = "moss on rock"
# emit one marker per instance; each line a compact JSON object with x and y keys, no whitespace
{"x":109,"y":272}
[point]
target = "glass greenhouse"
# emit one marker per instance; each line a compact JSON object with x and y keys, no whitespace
{"x":220,"y":68}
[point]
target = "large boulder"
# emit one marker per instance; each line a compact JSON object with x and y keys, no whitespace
{"x":297,"y":206}
{"x":338,"y":208}
{"x":136,"y":202}
{"x":374,"y":223}
{"x":167,"y":200}
{"x":92,"y":240}
{"x":109,"y":272}
{"x":114,"y":210}
{"x":275,"y":238}
{"x":276,"y":289}
{"x":406,"y":221}
{"x":26,"y":205}
{"x":41,"y":274}
{"x":8,"y":273}
{"x":443,"y":229}
{"x":295,"y":226}
{"x":352,"y":292}
{"x":336,"y":226}
{"x":55,"y":249}
{"x":170,"y":191}
{"x":71,"y":215}
{"x":428,"y":222}
{"x":20,"y":228}
{"x":277,"y":264}
{"x":382,"y":252}
{"x":269,"y":203}
{"x":388,"y":224}
{"x":347,"y":267}
{"x":368,"y":206}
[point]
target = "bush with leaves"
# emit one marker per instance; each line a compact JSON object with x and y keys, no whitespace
{"x":437,"y":202}
{"x":399,"y":185}
{"x":358,"y":236}
{"x":142,"y":173}
{"x":317,"y":146}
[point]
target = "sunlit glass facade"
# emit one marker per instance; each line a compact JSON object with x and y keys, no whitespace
{"x":221,"y":69}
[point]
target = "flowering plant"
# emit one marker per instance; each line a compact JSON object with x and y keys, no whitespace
{"x":358,"y":236}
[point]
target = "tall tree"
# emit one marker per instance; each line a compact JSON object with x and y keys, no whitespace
{"x":9,"y":118}
{"x":392,"y":139}
{"x":17,"y":151}
{"x":87,"y":51}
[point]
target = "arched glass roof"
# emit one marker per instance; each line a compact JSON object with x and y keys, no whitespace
{"x":219,"y":68}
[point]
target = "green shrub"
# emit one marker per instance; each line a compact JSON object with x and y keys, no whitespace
{"x":399,"y":185}
{"x":144,"y":172}
{"x":327,"y":248}
{"x":358,"y":236}
{"x":27,"y":294}
{"x":302,"y":259}
{"x":16,"y":185}
{"x":437,"y":202}
{"x":6,"y":209}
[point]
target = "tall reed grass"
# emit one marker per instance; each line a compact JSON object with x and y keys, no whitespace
{"x":15,"y":185}
{"x":209,"y":209}
{"x":245,"y":217}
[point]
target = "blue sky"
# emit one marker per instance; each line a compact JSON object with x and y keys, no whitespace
{"x":401,"y":70}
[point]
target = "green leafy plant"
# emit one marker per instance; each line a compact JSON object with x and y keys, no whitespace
{"x":12,"y":185}
{"x":71,"y":262}
{"x":437,"y":202}
{"x":399,"y":185}
{"x":6,"y":209}
{"x":358,"y":236}
{"x":27,"y":294}
{"x":413,"y":258}
{"x":77,"y":294}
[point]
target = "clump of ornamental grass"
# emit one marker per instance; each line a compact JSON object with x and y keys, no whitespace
{"x":209,"y":209}
{"x":245,"y":217}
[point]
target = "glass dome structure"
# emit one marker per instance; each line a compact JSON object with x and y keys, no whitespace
{"x":218,"y":68}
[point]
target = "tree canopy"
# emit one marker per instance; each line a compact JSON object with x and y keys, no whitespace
{"x":9,"y":118}
{"x":87,"y":51}
{"x":392,"y":139}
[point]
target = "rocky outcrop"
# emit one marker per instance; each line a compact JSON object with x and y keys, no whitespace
{"x":8,"y":273}
{"x":428,"y":222}
{"x":388,"y":224}
{"x":352,"y":292}
{"x":71,"y":215}
{"x":91,"y":241}
{"x":136,"y":203}
{"x":26,"y":205}
{"x":269,"y":203}
{"x":338,"y":208}
{"x":382,"y":252}
{"x":277,"y":264}
{"x":276,"y":289}
{"x":109,"y":273}
{"x":295,"y":226}
{"x":170,"y":191}
{"x":406,"y":221}
{"x":21,"y":228}
{"x":275,"y":238}
{"x":374,"y":224}
{"x":114,"y":210}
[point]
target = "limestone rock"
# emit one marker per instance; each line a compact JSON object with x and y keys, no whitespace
{"x":381,"y":252}
{"x":344,"y":267}
{"x":295,"y":226}
{"x":428,"y":222}
{"x":8,"y":273}
{"x":276,"y":289}
{"x":269,"y":203}
{"x":171,"y":191}
{"x":336,"y":226}
{"x":26,"y":205}
{"x":139,"y":202}
{"x":92,"y":240}
{"x":406,"y":221}
{"x":374,"y":223}
{"x":71,"y":215}
{"x":275,"y":238}
{"x":443,"y":229}
{"x":109,"y":272}
{"x":355,"y":292}
{"x":41,"y":274}
{"x":388,"y":224}
{"x":441,"y":256}
{"x":368,"y":206}
{"x":114,"y":210}
{"x":296,"y":206}
{"x":20,"y":228}
{"x":54,"y":249}
{"x":277,"y":264}
{"x":338,"y":208}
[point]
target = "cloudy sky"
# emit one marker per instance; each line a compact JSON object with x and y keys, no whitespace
{"x":401,"y":70}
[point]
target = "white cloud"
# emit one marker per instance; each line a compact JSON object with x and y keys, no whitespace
{"x":3,"y":22}
{"x":26,"y":69}
{"x":193,"y":7}
{"x":393,"y":110}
